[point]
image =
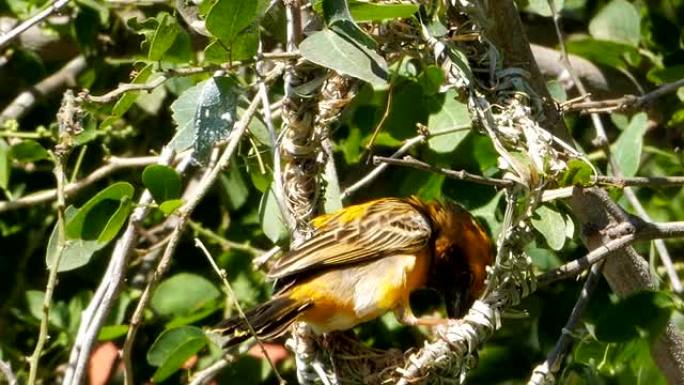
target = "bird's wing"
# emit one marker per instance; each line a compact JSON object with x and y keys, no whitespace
{"x":357,"y":234}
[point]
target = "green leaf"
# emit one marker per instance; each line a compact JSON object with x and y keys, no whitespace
{"x":431,"y":79}
{"x":542,"y":8}
{"x":5,"y":164}
{"x":245,"y":45}
{"x":328,"y":49}
{"x":643,"y":314}
{"x":58,"y":314}
{"x":163,"y":37}
{"x":215,"y":114}
{"x":103,"y":215}
{"x":627,"y":148}
{"x":181,"y":49}
{"x":163,"y":182}
{"x":168,"y":207}
{"x":578,"y":173}
{"x":28,"y":151}
{"x":450,"y":125}
{"x":128,"y":98}
{"x":112,"y":332}
{"x":183,"y":112}
{"x":172,"y":348}
{"x":269,"y":214}
{"x":190,"y":318}
{"x":551,"y":225}
{"x":339,"y":19}
{"x":667,"y":74}
{"x":183,"y":294}
{"x":557,"y":91}
{"x":234,"y":185}
{"x":544,"y":259}
{"x":227,"y":18}
{"x":76,"y":253}
{"x":215,"y":53}
{"x":366,"y":11}
{"x":618,"y":21}
{"x":608,"y":53}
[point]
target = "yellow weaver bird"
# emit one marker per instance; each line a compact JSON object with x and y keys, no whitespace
{"x":365,"y":260}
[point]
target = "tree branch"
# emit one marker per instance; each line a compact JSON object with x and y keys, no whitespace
{"x":368,"y":178}
{"x":623,"y":103}
{"x":409,"y":161}
{"x":183,"y":216}
{"x":33,"y":20}
{"x":113,"y":165}
{"x":546,"y":371}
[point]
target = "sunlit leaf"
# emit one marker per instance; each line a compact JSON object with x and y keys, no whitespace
{"x":163,"y":37}
{"x":271,"y":220}
{"x":163,"y":182}
{"x":172,"y":348}
{"x":450,"y":125}
{"x":227,"y":18}
{"x":551,"y":225}
{"x":28,"y":151}
{"x":618,"y":21}
{"x":183,"y":294}
{"x":330,"y":50}
{"x":627,"y":148}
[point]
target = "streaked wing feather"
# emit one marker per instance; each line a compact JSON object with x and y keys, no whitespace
{"x":385,"y":227}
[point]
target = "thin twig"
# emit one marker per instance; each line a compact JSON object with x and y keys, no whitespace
{"x":184,"y":213}
{"x":621,"y":182}
{"x":59,"y":156}
{"x":643,"y":232}
{"x":368,"y":178}
{"x":555,"y":357}
{"x":96,"y":312}
{"x":229,"y":291}
{"x":408,"y":161}
{"x":601,"y":141}
{"x":225,"y":243}
{"x":277,"y":173}
{"x":30,"y":22}
{"x":113,"y":164}
{"x":622,"y":103}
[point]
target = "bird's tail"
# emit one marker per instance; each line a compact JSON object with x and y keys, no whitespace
{"x":269,"y":320}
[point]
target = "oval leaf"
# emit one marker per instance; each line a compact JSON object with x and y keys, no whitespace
{"x":551,"y":225}
{"x":103,"y":215}
{"x":228,"y":17}
{"x":450,"y":125}
{"x":330,"y":50}
{"x":163,"y":182}
{"x":628,"y":146}
{"x":28,"y":151}
{"x":271,"y":220}
{"x":75,"y":253}
{"x":618,"y":21}
{"x":183,"y":294}
{"x":163,"y":37}
{"x":172,"y":348}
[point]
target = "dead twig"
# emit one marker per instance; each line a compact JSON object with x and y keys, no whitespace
{"x":409,"y":161}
